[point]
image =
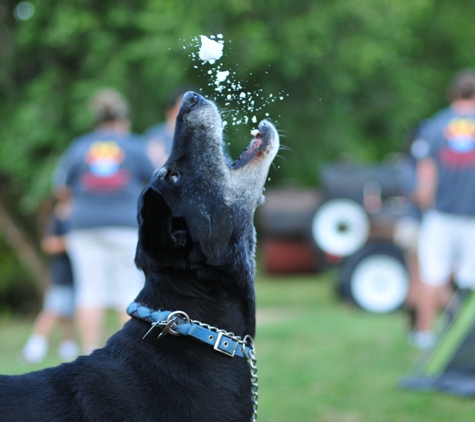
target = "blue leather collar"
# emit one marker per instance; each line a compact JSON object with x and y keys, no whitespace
{"x":178,"y":323}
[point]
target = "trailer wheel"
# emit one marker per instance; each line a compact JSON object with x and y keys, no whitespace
{"x":376,"y":278}
{"x":340,"y":227}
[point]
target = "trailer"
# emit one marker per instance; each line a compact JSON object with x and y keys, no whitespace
{"x":351,"y":222}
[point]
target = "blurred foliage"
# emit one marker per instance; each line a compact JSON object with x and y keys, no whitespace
{"x":358,"y":74}
{"x":17,"y":292}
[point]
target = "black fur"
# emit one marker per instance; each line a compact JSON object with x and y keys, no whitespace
{"x":196,"y":247}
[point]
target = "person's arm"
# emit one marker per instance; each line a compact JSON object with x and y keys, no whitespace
{"x":66,"y":171}
{"x":53,"y":245}
{"x":426,"y":183}
{"x":53,"y":241}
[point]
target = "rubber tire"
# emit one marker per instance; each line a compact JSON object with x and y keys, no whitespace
{"x":375,"y":278}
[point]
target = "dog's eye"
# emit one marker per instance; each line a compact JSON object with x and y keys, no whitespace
{"x":174,"y":176}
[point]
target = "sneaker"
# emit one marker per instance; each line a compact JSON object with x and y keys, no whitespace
{"x":68,"y":350}
{"x":422,"y":339}
{"x":35,"y":349}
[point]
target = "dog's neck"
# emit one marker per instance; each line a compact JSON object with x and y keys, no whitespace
{"x":207,"y":294}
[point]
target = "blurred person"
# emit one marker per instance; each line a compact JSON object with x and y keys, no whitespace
{"x":58,"y":307}
{"x":159,"y":137}
{"x":104,"y":171}
{"x":406,"y":230}
{"x":446,"y":185}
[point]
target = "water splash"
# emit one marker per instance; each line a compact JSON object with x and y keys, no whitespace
{"x":245,"y":105}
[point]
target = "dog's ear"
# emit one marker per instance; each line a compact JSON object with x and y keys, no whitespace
{"x":158,"y":229}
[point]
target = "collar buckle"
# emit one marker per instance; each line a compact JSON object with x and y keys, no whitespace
{"x":225,"y":345}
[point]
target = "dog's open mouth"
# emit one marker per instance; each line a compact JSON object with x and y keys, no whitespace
{"x":256,"y":147}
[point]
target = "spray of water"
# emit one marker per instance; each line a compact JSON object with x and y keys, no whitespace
{"x":246,"y":105}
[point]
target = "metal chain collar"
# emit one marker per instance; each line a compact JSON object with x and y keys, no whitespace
{"x":174,"y":323}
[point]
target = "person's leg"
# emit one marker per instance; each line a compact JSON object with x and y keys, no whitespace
{"x":405,"y":236}
{"x":87,"y":253}
{"x":435,"y":257}
{"x":412,"y":263}
{"x":36,"y":347}
{"x":68,"y":348}
{"x":429,"y":299}
{"x":90,"y":323}
{"x":445,"y":295}
{"x":44,"y":323}
{"x":67,"y":329}
{"x":427,"y":306}
{"x":465,"y":274}
{"x":127,"y":280}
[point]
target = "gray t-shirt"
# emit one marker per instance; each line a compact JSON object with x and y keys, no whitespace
{"x":449,"y":138}
{"x":106,"y":173}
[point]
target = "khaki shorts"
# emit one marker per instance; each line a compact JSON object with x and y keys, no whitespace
{"x":447,"y":249}
{"x":105,"y":275}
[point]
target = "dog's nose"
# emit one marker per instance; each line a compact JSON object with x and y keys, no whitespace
{"x":191,"y":98}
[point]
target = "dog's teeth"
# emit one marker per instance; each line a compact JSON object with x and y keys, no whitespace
{"x":254,"y":132}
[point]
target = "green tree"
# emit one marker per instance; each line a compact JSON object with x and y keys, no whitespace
{"x":358,"y":74}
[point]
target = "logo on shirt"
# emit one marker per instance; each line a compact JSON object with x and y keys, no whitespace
{"x":104,"y":159}
{"x":460,"y":136}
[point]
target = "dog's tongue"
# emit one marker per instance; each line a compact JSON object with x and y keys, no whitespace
{"x":250,"y":151}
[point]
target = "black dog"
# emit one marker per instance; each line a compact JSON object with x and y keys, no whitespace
{"x":196,"y":247}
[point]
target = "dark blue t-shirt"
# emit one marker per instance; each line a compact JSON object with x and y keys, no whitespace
{"x":61,"y":272}
{"x":449,"y":138}
{"x":106,"y":173}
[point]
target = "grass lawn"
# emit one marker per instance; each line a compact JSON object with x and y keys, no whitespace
{"x":318,"y":359}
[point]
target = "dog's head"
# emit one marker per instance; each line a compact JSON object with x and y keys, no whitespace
{"x":198,"y":207}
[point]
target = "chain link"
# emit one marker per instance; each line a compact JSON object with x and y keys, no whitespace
{"x":254,"y":382}
{"x":251,"y":360}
